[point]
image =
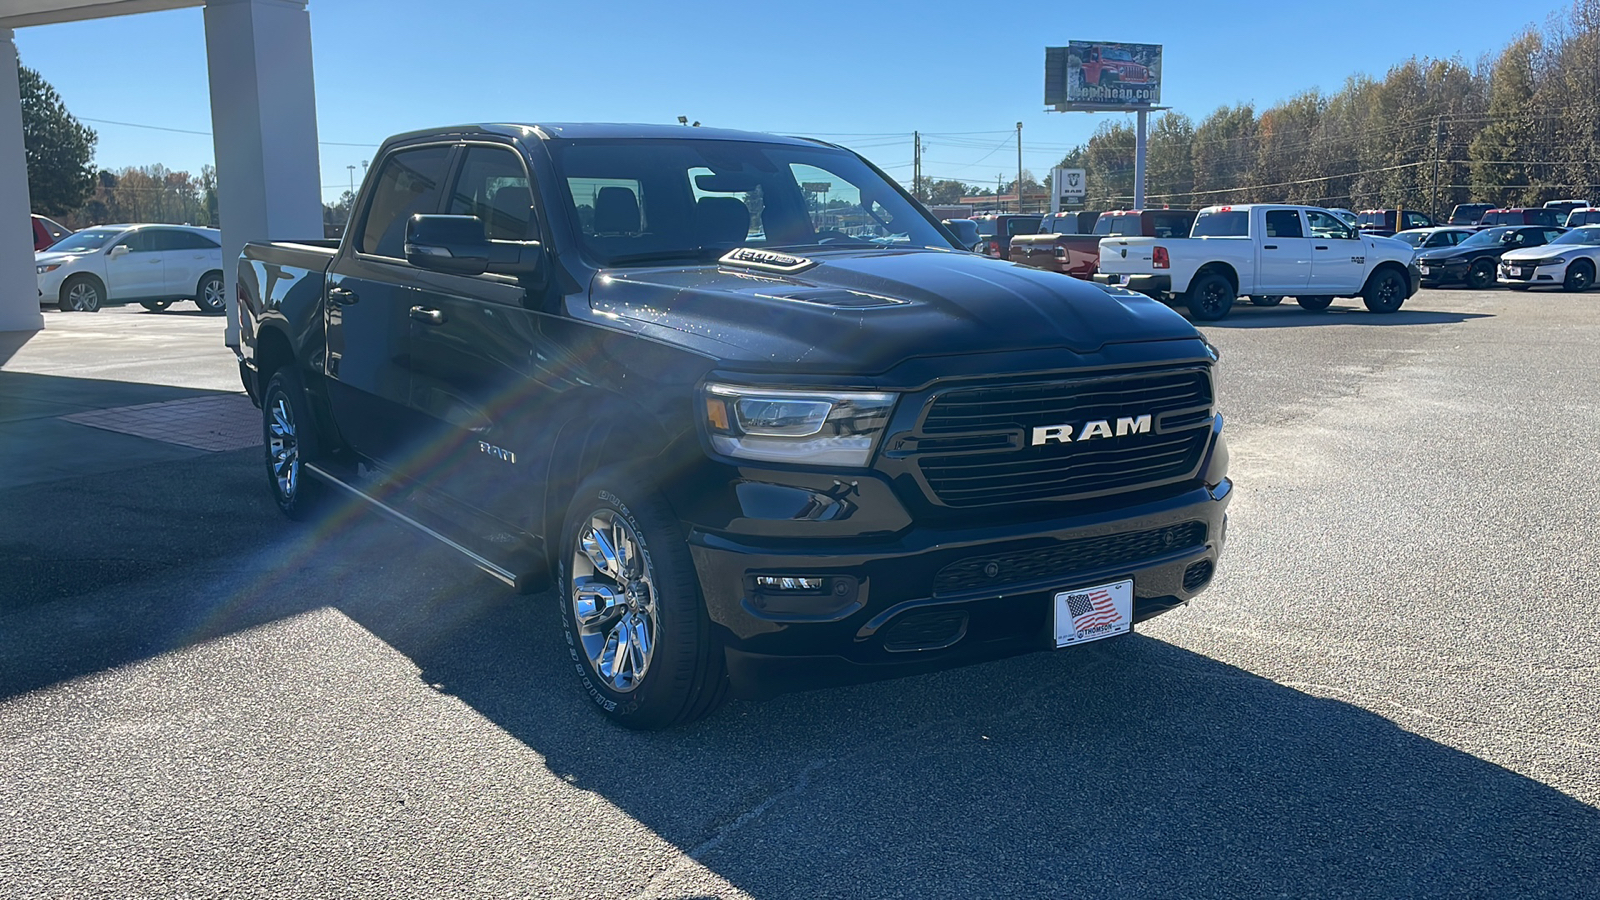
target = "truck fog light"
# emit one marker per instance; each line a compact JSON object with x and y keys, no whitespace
{"x":787,"y":583}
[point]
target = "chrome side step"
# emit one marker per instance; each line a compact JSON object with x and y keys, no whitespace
{"x":324,"y":475}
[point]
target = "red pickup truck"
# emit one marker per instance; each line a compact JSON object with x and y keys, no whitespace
{"x":1078,"y":255}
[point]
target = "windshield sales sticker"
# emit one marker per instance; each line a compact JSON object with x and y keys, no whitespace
{"x":1091,"y":614}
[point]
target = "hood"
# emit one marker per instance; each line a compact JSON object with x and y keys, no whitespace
{"x":1543,"y":251}
{"x":1446,"y":254}
{"x":44,"y":257}
{"x":865,"y":312}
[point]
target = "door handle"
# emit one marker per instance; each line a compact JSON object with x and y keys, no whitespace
{"x":1321,"y":247}
{"x":428,"y":316}
{"x":342,"y":297}
{"x":1270,"y":247}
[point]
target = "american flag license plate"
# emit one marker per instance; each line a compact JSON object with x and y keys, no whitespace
{"x":1093,"y":613}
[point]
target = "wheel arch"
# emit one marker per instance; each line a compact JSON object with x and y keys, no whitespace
{"x":1390,"y":265}
{"x":99,"y":282}
{"x":1217,"y":267}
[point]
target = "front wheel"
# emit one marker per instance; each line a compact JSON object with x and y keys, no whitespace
{"x":210,"y":295}
{"x":1480,"y":275}
{"x":635,"y":624}
{"x":1386,"y":290}
{"x":1314,"y":304}
{"x":1265,"y":301}
{"x":1210,"y":297}
{"x":1580,"y":277}
{"x":81,"y":293}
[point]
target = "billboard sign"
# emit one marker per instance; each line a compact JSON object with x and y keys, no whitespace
{"x":1090,"y":75}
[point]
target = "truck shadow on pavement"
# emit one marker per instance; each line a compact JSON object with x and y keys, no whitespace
{"x":1288,"y":315}
{"x":1129,"y":768}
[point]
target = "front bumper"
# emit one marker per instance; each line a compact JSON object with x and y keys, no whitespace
{"x":1158,"y":286}
{"x":1537,"y":276}
{"x":1448,"y":273}
{"x":892,"y":607}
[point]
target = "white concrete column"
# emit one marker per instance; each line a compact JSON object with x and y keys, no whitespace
{"x":264,"y":122}
{"x":19,"y":284}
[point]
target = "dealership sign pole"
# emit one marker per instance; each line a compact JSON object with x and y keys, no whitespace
{"x":1101,"y":76}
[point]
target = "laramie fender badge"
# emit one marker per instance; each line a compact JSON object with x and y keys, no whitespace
{"x":1100,"y":428}
{"x":766,"y":260}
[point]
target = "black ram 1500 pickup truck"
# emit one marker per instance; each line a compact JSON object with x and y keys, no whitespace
{"x":643,"y":366}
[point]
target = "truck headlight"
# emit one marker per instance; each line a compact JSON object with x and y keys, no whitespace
{"x":827,"y":428}
{"x":48,"y":267}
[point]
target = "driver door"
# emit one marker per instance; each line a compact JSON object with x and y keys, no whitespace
{"x":137,"y":272}
{"x":1338,"y":255}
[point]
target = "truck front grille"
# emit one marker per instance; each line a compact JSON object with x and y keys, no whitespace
{"x":1178,"y":403}
{"x":1059,"y":562}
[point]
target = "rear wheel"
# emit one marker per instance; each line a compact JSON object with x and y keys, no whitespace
{"x":1265,"y":301}
{"x":210,"y":294}
{"x":1210,"y":297}
{"x":1314,"y":304}
{"x":636,"y":626}
{"x":1386,"y":290}
{"x":290,"y":436}
{"x":81,"y":293}
{"x":155,"y":305}
{"x":1580,"y":276}
{"x":1480,"y":275}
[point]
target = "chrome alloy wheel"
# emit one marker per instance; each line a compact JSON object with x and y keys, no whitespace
{"x":614,"y":601}
{"x":213,"y":294}
{"x":283,"y":446}
{"x":83,"y":297}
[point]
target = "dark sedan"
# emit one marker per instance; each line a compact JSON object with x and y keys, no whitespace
{"x":1472,"y":262}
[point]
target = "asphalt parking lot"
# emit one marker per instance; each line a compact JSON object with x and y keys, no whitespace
{"x":1391,"y":690}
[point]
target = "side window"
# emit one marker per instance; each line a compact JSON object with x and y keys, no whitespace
{"x":159,"y":239}
{"x":1416,"y":220}
{"x":1283,"y":223}
{"x":1551,"y":234}
{"x":493,"y":185}
{"x":136,"y":242}
{"x":1327,"y":225}
{"x":189,"y":240}
{"x":409,"y":183}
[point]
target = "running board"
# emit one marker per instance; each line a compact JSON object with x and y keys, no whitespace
{"x":324,"y":475}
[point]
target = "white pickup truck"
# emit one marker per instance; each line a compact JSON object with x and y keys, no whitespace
{"x":1265,"y":252}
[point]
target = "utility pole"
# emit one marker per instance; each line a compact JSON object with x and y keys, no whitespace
{"x":352,"y":168}
{"x":916,"y":164}
{"x":1438,"y":126}
{"x":1019,"y":168}
{"x":999,"y":186}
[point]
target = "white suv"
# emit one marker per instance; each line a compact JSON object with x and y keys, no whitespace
{"x":152,"y":265}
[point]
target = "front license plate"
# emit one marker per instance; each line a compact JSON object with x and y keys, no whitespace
{"x":1090,"y":614}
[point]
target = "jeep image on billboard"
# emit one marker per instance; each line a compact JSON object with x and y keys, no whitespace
{"x":1101,"y":74}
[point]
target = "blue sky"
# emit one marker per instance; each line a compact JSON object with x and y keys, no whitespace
{"x":865,"y":74}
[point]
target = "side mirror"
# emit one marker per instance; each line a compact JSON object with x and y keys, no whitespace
{"x":458,"y":245}
{"x":119,"y":250}
{"x":452,"y":244}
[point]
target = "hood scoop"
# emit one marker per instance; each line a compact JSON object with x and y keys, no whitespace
{"x":837,"y":298}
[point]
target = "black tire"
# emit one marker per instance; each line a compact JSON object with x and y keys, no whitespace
{"x":287,"y":452}
{"x":210,"y":294}
{"x":155,"y":305}
{"x":1314,"y":304}
{"x":1265,"y":301}
{"x":1480,"y":275}
{"x":1210,"y":297}
{"x":1385,"y":291}
{"x":81,"y":293}
{"x":1519,"y":288}
{"x":684,"y":677}
{"x":1580,"y":277}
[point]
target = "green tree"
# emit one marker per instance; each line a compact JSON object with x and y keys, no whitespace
{"x":1500,"y":172}
{"x":59,"y":148}
{"x":945,"y":193}
{"x":1169,"y":161}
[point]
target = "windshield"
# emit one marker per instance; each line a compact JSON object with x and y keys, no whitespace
{"x":85,"y":241}
{"x":656,"y":201}
{"x":1414,"y":238}
{"x":1488,"y":238}
{"x":1223,"y":223}
{"x":1378,"y":219}
{"x":1589,"y":235}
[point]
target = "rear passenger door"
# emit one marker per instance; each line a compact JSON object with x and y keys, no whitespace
{"x":370,"y":292}
{"x":189,"y":255}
